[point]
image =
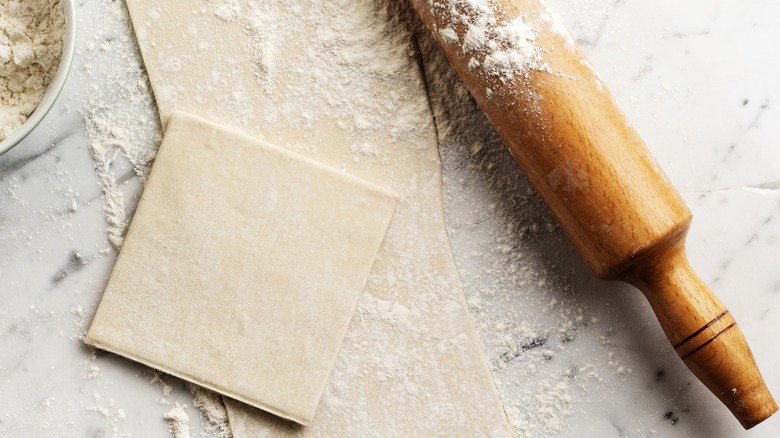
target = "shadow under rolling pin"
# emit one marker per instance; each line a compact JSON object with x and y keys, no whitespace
{"x":598,"y":178}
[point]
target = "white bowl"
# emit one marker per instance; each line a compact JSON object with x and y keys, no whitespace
{"x":55,"y":86}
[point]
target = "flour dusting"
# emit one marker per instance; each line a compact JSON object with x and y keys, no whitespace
{"x":113,"y":417}
{"x":178,"y":421}
{"x":125,"y":135}
{"x":213,"y":413}
{"x":498,"y":47}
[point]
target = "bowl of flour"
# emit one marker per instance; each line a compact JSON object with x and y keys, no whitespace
{"x":37,"y":42}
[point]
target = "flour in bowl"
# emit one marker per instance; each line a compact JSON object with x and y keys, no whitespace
{"x":31,"y":35}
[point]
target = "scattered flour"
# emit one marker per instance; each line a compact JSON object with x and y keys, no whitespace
{"x":545,"y":411}
{"x":114,"y":417}
{"x":94,"y":371}
{"x":165,"y":387}
{"x":108,"y":138}
{"x":125,"y":135}
{"x":178,"y":421}
{"x":213,"y":413}
{"x":31,"y":38}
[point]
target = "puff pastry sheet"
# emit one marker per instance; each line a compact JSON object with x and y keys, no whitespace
{"x":242,"y":268}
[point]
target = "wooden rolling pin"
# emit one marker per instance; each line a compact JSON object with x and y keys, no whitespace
{"x":598,"y":178}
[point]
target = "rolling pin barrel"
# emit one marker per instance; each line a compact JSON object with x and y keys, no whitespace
{"x":597,"y":176}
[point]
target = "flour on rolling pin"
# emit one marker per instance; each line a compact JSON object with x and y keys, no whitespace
{"x":497,"y":47}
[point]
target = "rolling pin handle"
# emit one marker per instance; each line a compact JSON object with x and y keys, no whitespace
{"x":704,"y":334}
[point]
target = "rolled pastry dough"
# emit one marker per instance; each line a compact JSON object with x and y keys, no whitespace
{"x":242,"y":268}
{"x":411,"y":363}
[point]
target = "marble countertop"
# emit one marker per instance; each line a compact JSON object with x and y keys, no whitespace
{"x":573,"y":356}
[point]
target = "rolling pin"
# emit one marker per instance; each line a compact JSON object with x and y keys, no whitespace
{"x":599,"y":179}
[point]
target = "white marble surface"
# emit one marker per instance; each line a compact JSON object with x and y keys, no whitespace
{"x":573,"y":356}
